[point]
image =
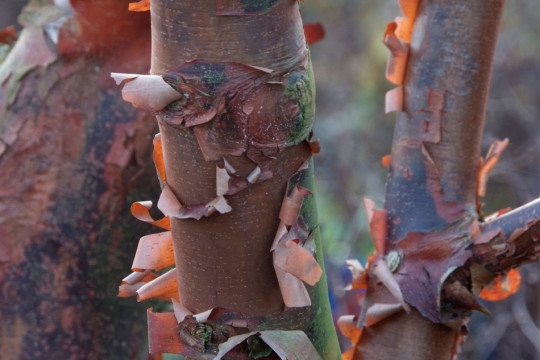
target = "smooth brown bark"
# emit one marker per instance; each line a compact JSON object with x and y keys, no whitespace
{"x":224,"y":260}
{"x":72,"y":157}
{"x":430,"y":341}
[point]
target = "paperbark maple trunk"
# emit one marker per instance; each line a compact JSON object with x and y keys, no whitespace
{"x":225,"y":260}
{"x":72,"y":156}
{"x":433,"y":228}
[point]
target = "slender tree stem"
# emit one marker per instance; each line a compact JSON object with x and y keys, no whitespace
{"x":445,"y":93}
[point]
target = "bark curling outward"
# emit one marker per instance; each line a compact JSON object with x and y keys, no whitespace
{"x":236,"y":145}
{"x":434,"y":249}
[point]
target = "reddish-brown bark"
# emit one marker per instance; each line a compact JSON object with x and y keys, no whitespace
{"x":437,"y":247}
{"x":72,"y":155}
{"x":246,"y":101}
{"x":224,"y":260}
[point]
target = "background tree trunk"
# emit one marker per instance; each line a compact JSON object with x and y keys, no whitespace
{"x":72,"y":157}
{"x":433,"y":227}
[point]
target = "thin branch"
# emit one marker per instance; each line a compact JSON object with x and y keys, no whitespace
{"x":515,"y":241}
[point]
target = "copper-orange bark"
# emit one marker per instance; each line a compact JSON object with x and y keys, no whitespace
{"x":72,"y":154}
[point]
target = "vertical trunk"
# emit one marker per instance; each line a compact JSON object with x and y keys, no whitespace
{"x":233,"y":248}
{"x":72,"y":155}
{"x":262,"y":122}
{"x":431,"y":190}
{"x":445,"y":91}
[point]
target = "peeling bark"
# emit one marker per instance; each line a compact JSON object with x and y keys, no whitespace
{"x":236,"y":145}
{"x":73,"y":154}
{"x":438,"y":247}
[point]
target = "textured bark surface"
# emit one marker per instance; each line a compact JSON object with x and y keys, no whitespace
{"x":225,"y":260}
{"x":431,"y":191}
{"x":431,"y":341}
{"x":72,"y":157}
{"x":451,"y":55}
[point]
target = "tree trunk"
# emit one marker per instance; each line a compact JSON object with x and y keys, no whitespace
{"x":434,"y":250}
{"x":244,"y":114}
{"x":72,"y":156}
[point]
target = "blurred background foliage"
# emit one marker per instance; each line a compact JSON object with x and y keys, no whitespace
{"x":349,"y":66}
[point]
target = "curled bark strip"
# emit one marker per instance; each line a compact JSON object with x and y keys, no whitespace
{"x":297,"y":261}
{"x":290,"y":345}
{"x":404,"y":28}
{"x":379,"y":312}
{"x":143,"y":5}
{"x":315,"y":146}
{"x":158,"y":158}
{"x":359,"y":275}
{"x":293,"y":291}
{"x":290,"y":209}
{"x":492,"y":157}
{"x":163,"y":336}
{"x":231,"y":343}
{"x":181,"y":312}
{"x":292,"y":262}
{"x":404,"y":25}
{"x":148,"y":92}
{"x":133,"y":282}
{"x":397,"y":59}
{"x":384,"y":275}
{"x":228,"y":182}
{"x":520,"y":218}
{"x":287,"y":344}
{"x":139,"y":276}
{"x":347,"y":326}
{"x":129,"y":290}
{"x":154,"y":251}
{"x":386,"y":160}
{"x":140,"y":211}
{"x":222,"y":181}
{"x":409,"y":7}
{"x":377,"y":225}
{"x":165,"y":287}
{"x":393,"y":100}
{"x":169,"y":205}
{"x":254,"y":175}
